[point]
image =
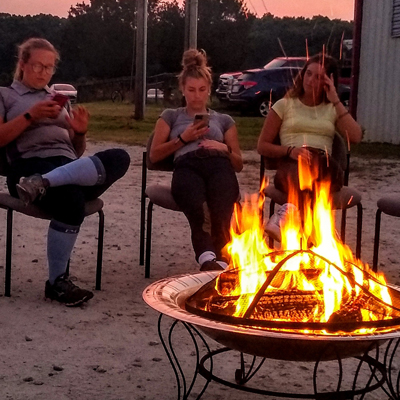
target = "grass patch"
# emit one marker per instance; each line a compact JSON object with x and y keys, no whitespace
{"x":114,"y":122}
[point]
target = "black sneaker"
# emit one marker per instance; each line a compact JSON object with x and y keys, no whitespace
{"x":64,"y":291}
{"x":211,"y":265}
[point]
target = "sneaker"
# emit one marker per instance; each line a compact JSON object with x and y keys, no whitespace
{"x":211,"y":265}
{"x":273,"y":226}
{"x":64,"y":291}
{"x":30,"y":188}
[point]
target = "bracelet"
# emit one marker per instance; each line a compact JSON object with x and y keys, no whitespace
{"x":80,"y":133}
{"x":180,"y":138}
{"x":336,"y":103}
{"x":289,"y":150}
{"x":342,"y":115}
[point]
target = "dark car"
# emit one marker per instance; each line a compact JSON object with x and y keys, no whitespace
{"x":257,"y":89}
{"x":280,"y":62}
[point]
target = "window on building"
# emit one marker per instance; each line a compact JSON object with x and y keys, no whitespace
{"x":396,"y":19}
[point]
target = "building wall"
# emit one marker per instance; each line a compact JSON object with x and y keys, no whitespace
{"x":378,"y":109}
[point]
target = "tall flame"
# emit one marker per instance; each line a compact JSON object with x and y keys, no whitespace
{"x":308,"y":225}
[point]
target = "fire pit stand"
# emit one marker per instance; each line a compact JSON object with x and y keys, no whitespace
{"x":166,"y":296}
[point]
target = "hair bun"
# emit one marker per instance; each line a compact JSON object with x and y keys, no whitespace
{"x":193,"y":59}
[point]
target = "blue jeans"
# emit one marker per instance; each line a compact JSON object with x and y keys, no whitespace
{"x":206,"y":190}
{"x":67,"y":203}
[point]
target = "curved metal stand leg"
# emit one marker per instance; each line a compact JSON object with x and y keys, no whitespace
{"x":374,"y":365}
{"x":393,"y":373}
{"x":184,"y":389}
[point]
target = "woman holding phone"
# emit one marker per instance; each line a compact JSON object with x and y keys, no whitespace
{"x":305,"y":121}
{"x":206,"y":158}
{"x":44,"y":142}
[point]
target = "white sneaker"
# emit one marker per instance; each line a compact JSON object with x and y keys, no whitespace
{"x":273,"y":226}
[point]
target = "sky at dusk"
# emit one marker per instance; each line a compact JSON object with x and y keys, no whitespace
{"x":343,"y":9}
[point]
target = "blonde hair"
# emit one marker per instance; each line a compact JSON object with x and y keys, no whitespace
{"x":194,"y":65}
{"x":25,"y":51}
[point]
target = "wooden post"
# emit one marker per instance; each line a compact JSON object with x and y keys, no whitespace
{"x":191,"y":7}
{"x":141,"y":57}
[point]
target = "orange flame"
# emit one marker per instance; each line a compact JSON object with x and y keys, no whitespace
{"x":309,"y":225}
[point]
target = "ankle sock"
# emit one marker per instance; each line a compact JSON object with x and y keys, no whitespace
{"x":207,"y":256}
{"x":86,"y":171}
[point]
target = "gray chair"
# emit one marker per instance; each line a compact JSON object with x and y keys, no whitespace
{"x":159,"y":195}
{"x":389,"y":205}
{"x":11,"y":204}
{"x":342,"y":200}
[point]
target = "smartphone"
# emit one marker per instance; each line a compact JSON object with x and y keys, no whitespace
{"x":204,"y":118}
{"x":61,"y":99}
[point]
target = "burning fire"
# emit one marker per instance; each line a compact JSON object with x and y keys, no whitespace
{"x":312,"y":265}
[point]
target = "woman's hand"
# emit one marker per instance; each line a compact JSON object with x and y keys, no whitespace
{"x":44,"y":109}
{"x":301,"y":152}
{"x":213,"y":144}
{"x":330,"y":89}
{"x":194,"y":132}
{"x":80,"y":120}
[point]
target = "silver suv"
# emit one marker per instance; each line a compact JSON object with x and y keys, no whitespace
{"x":225,"y":82}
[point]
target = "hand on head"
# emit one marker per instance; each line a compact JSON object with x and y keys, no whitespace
{"x":330,"y":89}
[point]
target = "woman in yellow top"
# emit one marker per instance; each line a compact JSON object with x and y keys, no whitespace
{"x":306,"y":120}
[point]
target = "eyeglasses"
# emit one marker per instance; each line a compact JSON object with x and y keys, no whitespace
{"x":39,"y":67}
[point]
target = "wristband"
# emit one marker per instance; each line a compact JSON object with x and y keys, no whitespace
{"x":183,"y":141}
{"x":28,"y":117}
{"x":289,"y":150}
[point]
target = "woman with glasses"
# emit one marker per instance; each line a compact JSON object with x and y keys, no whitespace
{"x":44,"y":142}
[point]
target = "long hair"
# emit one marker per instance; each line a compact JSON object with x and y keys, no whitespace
{"x":331,"y":67}
{"x":25,"y":50}
{"x":194,"y":65}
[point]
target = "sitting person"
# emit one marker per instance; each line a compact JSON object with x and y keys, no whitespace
{"x":43,"y":144}
{"x":306,"y":120}
{"x":206,"y":157}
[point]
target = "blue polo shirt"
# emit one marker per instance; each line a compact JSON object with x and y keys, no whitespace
{"x":48,"y":137}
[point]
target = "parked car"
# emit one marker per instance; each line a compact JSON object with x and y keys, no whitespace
{"x":257,"y":89}
{"x":65,"y":89}
{"x":286,"y":62}
{"x":225,"y":82}
{"x":153,"y":94}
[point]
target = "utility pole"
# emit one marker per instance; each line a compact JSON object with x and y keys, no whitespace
{"x":141,"y":58}
{"x":191,"y":7}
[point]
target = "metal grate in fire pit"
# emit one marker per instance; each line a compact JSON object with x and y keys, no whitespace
{"x":293,"y":309}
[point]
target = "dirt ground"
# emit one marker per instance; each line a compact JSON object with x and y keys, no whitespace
{"x":110,"y":349}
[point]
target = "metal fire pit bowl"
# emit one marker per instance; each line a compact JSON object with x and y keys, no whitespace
{"x":168,"y":296}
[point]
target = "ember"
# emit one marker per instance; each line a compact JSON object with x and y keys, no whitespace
{"x":313,"y":283}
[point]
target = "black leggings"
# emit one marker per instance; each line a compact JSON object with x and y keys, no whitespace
{"x":67,"y":203}
{"x":206,"y":190}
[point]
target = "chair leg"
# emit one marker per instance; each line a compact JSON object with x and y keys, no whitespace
{"x":8,"y":252}
{"x":343,"y":226}
{"x":100,"y":243}
{"x":271,"y":212}
{"x":359,"y":230}
{"x":142,"y":211}
{"x":148,"y":240}
{"x":376,"y":239}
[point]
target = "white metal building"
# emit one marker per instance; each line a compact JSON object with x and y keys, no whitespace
{"x":378,"y":100}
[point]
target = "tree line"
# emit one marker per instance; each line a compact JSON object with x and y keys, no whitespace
{"x":97,"y":40}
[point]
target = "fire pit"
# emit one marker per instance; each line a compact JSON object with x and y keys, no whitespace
{"x":169,"y":296}
{"x":310,"y":300}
